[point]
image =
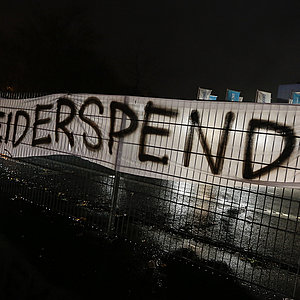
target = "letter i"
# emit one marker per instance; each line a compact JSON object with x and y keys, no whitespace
{"x":9,"y":117}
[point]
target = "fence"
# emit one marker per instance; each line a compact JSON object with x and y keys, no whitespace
{"x":170,"y":174}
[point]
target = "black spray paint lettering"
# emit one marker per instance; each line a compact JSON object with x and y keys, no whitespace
{"x":217,"y":166}
{"x":62,"y":124}
{"x":9,"y":117}
{"x":87,"y":102}
{"x":146,"y":129}
{"x":2,"y":115}
{"x":63,"y":120}
{"x":288,"y":136}
{"x":38,"y":121}
{"x":123,"y":132}
{"x":25,"y":115}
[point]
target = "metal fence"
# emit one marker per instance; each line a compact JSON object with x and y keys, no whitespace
{"x":253,"y":229}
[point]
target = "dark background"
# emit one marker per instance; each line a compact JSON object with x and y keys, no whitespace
{"x":148,"y":48}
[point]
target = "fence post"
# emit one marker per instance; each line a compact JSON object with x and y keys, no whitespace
{"x":115,"y":192}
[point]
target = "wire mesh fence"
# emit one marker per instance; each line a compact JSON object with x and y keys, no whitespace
{"x":250,"y":226}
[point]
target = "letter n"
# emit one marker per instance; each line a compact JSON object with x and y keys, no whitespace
{"x":217,"y":165}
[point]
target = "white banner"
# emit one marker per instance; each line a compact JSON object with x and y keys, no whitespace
{"x":203,"y":94}
{"x":161,"y":138}
{"x":263,"y":97}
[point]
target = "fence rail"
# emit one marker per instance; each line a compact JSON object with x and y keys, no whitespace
{"x":252,"y":228}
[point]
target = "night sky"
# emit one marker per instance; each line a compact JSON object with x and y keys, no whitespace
{"x":162,"y":49}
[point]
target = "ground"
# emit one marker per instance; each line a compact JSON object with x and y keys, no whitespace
{"x":45,"y":256}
